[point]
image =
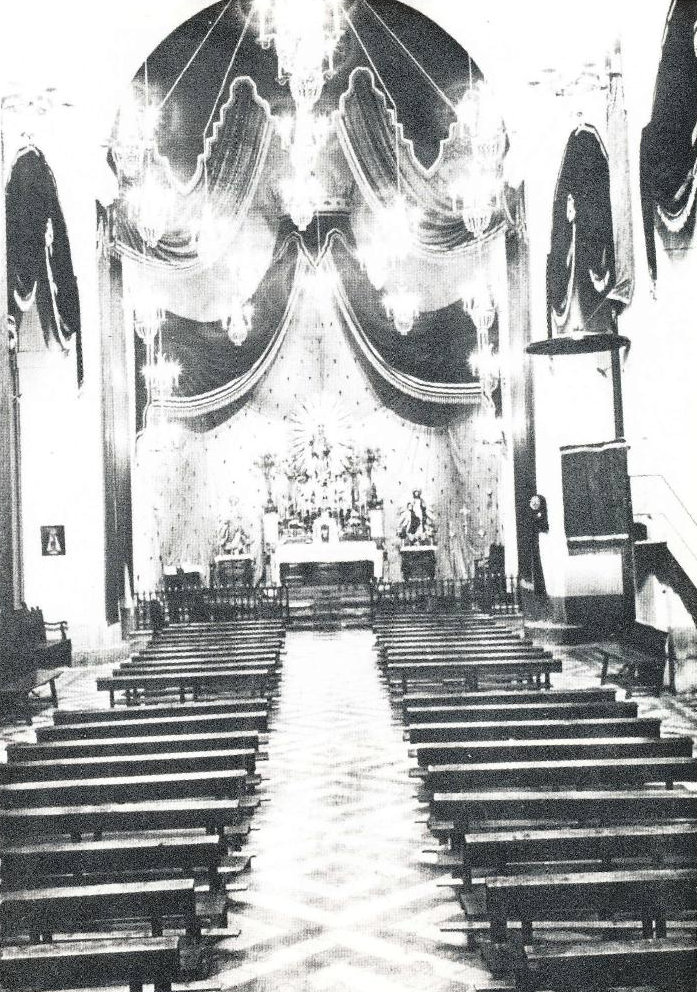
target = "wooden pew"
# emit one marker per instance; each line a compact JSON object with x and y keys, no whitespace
{"x":102,"y":747}
{"x":568,"y":774}
{"x":211,"y":815}
{"x":231,"y":783}
{"x":456,"y":697}
{"x":24,"y":865}
{"x":75,"y":964}
{"x":419,"y":715}
{"x":69,"y":909}
{"x":651,"y":895}
{"x":193,"y":665}
{"x":533,"y":729}
{"x":155,"y":763}
{"x":252,"y":652}
{"x":588,"y":806}
{"x":156,"y":726}
{"x":470,"y":671}
{"x":253,"y":704}
{"x":652,"y":842}
{"x":563,"y":749}
{"x":251,"y":679}
{"x":669,"y":965}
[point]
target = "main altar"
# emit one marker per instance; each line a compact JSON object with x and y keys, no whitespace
{"x":323,"y":520}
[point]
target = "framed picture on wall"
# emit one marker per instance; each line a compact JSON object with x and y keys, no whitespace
{"x":53,"y":541}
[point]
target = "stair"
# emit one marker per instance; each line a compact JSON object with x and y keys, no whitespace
{"x":329,"y":607}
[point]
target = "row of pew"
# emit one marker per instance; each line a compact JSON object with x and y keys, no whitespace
{"x":122,"y":828}
{"x":568,"y":821}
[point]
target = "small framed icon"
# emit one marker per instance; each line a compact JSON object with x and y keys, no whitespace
{"x":53,"y":541}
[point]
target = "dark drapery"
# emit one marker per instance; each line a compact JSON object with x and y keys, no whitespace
{"x":437,"y":350}
{"x":39,"y":260}
{"x":581,"y":264}
{"x":225,"y":181}
{"x":383,"y":163}
{"x":116,"y":425}
{"x":215,"y":373}
{"x":668,"y":154}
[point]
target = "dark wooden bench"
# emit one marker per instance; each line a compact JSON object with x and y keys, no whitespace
{"x":533,"y":729}
{"x":154,"y":726}
{"x":669,"y":965}
{"x":24,"y":865}
{"x":456,"y":697}
{"x":232,"y":783}
{"x":100,"y":747}
{"x":16,"y":690}
{"x":588,"y":806}
{"x":568,"y":774}
{"x":470,"y":672}
{"x":28,"y":659}
{"x":419,"y":715}
{"x":250,"y":679}
{"x":651,"y":895}
{"x":552,"y":750}
{"x":154,"y":763}
{"x":78,"y":964}
{"x":496,"y":851}
{"x":193,"y":665}
{"x":638,"y":659}
{"x":69,"y":909}
{"x":248,"y":705}
{"x":211,"y":815}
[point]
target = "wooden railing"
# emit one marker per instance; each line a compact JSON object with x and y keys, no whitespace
{"x":422,"y":595}
{"x":496,"y":593}
{"x":197,"y":605}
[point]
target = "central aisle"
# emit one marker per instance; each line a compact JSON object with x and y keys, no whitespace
{"x":340,"y":897}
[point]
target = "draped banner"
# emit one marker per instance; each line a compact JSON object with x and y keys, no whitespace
{"x":581,"y":278}
{"x":225,"y":181}
{"x":39,"y":260}
{"x":620,"y":190}
{"x":215,"y":373}
{"x":382,"y":161}
{"x":668,"y":152}
{"x":431,"y":363}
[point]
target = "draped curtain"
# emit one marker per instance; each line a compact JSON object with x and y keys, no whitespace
{"x":39,"y":259}
{"x":581,"y":277}
{"x":225,"y":181}
{"x":383,"y":162}
{"x":215,"y":373}
{"x":668,"y":152}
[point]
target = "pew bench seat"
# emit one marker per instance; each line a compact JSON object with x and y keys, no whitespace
{"x":667,"y":964}
{"x":81,"y":963}
{"x":16,"y":690}
{"x":39,"y":913}
{"x":105,"y":747}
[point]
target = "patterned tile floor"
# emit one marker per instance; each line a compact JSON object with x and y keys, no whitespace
{"x":341,"y":896}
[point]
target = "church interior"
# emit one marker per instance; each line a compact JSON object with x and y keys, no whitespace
{"x":348,"y":500}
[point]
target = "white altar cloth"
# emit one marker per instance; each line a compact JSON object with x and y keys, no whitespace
{"x":296,"y":552}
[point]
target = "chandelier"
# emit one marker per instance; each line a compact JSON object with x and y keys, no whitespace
{"x":403,"y":308}
{"x":301,"y":196}
{"x":479,"y":304}
{"x":213,"y":236}
{"x":162,"y":376}
{"x":147,"y":321}
{"x":375,"y":264}
{"x":134,"y":139}
{"x":476,"y":190}
{"x":306,"y":37}
{"x":480,"y":126}
{"x":152,"y":204}
{"x":238,"y":322}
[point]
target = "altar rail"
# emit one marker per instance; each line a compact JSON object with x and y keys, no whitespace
{"x":498,"y":594}
{"x":156,"y":609}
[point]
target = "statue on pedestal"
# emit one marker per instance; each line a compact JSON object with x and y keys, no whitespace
{"x":416,"y":524}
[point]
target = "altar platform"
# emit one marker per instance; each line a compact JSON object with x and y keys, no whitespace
{"x":326,"y":563}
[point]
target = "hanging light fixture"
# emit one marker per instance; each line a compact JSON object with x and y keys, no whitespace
{"x":134,"y":139}
{"x":152,"y":203}
{"x":213,"y":236}
{"x":480,"y":126}
{"x":238,"y":322}
{"x":403,"y":308}
{"x":301,"y":195}
{"x":147,"y":321}
{"x":162,"y":376}
{"x":478,"y":302}
{"x":375,"y":263}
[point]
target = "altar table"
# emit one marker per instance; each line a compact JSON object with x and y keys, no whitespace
{"x":326,"y":562}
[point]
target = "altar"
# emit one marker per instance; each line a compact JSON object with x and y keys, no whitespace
{"x":326,"y":563}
